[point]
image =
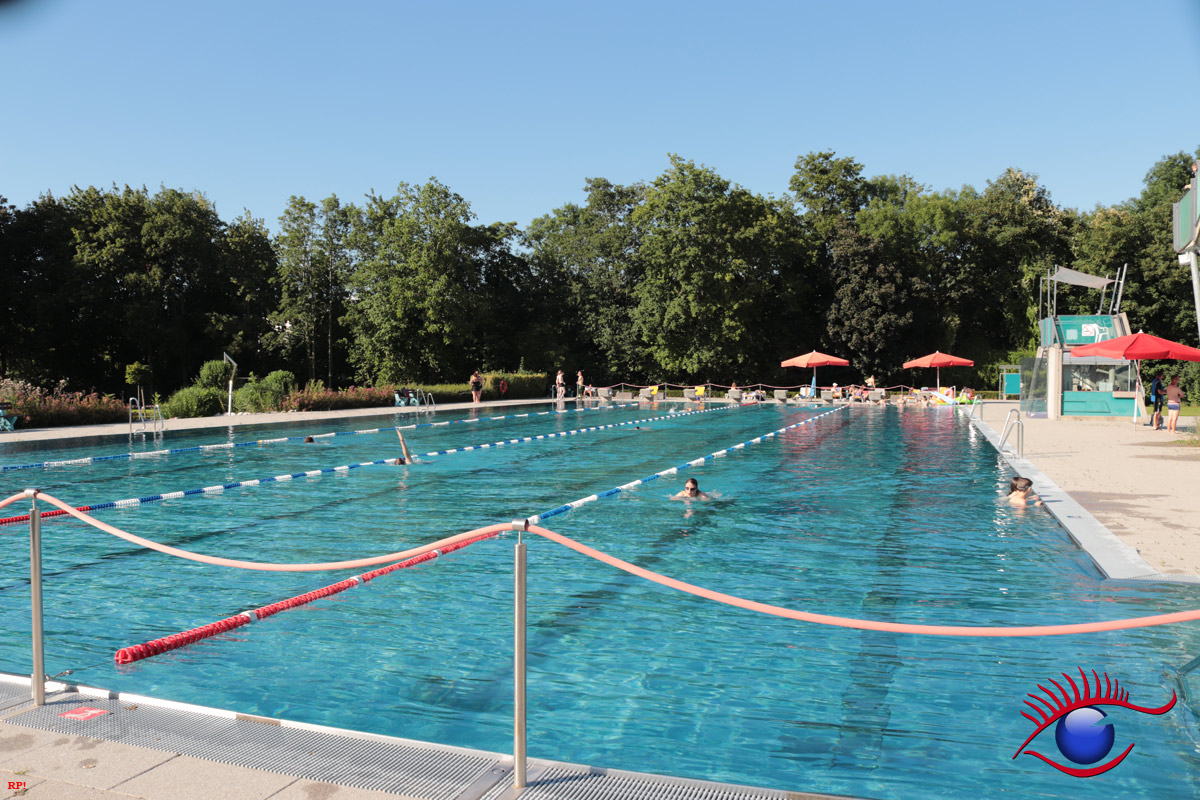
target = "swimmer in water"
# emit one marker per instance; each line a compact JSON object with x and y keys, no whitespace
{"x":691,"y":491}
{"x":1020,"y":493}
{"x":407,"y":459}
{"x":308,"y":440}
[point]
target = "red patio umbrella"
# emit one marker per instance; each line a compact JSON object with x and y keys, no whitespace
{"x":939,"y":359}
{"x":1137,"y":346}
{"x":814,"y":360}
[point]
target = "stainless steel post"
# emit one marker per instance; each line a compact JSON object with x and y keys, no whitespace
{"x":38,"y":679}
{"x":519,"y":665}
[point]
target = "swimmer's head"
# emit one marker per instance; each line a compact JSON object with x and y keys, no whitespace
{"x":691,"y":486}
{"x":308,"y":440}
{"x":1019,"y":484}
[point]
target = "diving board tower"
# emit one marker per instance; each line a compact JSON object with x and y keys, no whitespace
{"x":1056,"y":383}
{"x":1185,"y":218}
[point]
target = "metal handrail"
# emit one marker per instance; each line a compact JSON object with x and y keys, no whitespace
{"x":154,"y":420}
{"x":1008,"y":428}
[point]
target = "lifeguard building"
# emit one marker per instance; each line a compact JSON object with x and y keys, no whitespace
{"x":1056,"y":383}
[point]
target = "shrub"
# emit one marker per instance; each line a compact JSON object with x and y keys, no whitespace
{"x":452,"y":392}
{"x":520,"y":384}
{"x":315,"y":397}
{"x":265,"y":395}
{"x":43,"y":408}
{"x":195,"y":401}
{"x":215,"y":375}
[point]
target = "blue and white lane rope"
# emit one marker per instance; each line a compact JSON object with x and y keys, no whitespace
{"x":218,"y":488}
{"x":563,"y":509}
{"x":257,"y":442}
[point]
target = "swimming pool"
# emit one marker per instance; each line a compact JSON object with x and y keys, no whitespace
{"x":876,"y":513}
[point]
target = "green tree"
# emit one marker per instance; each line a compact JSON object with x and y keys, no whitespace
{"x":300,"y":279}
{"x":874,"y":315}
{"x":1158,"y":295}
{"x":719,"y":268}
{"x":587,"y":257}
{"x":417,"y":287}
{"x":249,"y":292}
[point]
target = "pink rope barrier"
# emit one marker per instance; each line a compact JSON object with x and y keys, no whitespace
{"x":663,"y":580}
{"x":259,"y":565}
{"x":866,"y":624}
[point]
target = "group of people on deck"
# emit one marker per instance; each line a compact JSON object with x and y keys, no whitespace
{"x":582,"y":388}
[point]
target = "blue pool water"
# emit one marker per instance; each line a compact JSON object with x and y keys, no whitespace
{"x":876,"y":513}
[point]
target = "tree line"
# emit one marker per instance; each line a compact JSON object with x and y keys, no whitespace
{"x":687,"y":277}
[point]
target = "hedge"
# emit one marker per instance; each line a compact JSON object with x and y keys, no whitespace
{"x":195,"y":401}
{"x":41,"y":409}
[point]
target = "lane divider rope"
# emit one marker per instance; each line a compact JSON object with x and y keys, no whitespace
{"x":132,"y":653}
{"x":331,"y":434}
{"x":568,"y":507}
{"x":479,"y":534}
{"x":132,"y":502}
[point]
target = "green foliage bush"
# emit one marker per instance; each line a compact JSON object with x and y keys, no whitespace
{"x":195,"y":401}
{"x":451,"y":392}
{"x":315,"y":397}
{"x":520,"y":385}
{"x":215,"y":375}
{"x":52,"y":408}
{"x":268,"y":394}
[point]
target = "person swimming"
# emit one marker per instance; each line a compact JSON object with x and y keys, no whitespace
{"x":407,"y":459}
{"x":1020,"y":493}
{"x":691,"y":491}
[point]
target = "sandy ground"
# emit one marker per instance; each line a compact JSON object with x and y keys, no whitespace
{"x":1142,"y":484}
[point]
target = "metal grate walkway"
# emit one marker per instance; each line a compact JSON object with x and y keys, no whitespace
{"x":412,"y":769}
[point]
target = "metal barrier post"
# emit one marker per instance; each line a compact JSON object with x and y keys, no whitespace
{"x":38,"y":678}
{"x":519,"y":659}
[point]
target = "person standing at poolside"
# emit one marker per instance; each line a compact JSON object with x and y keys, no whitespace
{"x":1156,"y":399}
{"x":579,"y":385}
{"x":560,"y":386}
{"x":1174,"y":403}
{"x":476,"y":387}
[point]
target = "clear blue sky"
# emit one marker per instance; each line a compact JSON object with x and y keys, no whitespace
{"x":514,"y":104}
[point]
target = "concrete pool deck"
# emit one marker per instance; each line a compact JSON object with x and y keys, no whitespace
{"x":119,"y":747}
{"x":1128,"y":490}
{"x":1117,"y":489}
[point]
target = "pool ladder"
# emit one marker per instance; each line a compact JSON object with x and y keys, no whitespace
{"x":1012,"y":422}
{"x":149,"y":419}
